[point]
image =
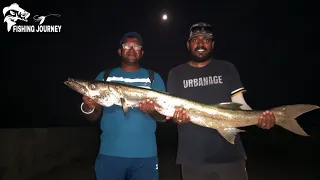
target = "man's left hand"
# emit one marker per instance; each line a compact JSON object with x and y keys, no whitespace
{"x":147,"y":106}
{"x":267,"y":120}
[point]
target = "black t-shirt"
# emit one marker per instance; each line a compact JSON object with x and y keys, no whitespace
{"x":212,"y":84}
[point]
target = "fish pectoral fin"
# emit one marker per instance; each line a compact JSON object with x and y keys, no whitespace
{"x":124,"y":106}
{"x":229,"y":133}
{"x":229,"y":105}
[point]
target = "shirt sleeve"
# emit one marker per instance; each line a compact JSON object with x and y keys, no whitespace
{"x":236,"y":85}
{"x":171,"y":83}
{"x":158,"y":83}
{"x":100,"y":76}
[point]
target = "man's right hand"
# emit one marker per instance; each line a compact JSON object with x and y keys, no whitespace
{"x":89,"y":102}
{"x":180,"y":116}
{"x":91,"y":110}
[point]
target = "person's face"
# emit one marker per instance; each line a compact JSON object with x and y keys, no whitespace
{"x":131,"y":51}
{"x":200,"y":47}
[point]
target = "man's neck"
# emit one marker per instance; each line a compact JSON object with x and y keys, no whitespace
{"x":199,"y":64}
{"x":130,"y":68}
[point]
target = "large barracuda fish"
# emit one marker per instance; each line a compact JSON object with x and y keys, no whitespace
{"x":225,"y":117}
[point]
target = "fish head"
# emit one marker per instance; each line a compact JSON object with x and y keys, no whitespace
{"x":96,"y":90}
{"x":14,"y":12}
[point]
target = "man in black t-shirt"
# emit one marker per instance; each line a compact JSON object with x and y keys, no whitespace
{"x":202,"y":152}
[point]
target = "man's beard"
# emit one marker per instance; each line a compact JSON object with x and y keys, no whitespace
{"x":202,"y":58}
{"x":128,"y":61}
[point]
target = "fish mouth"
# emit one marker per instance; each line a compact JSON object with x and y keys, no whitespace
{"x":76,"y":85}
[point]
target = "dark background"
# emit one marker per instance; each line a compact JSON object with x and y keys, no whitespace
{"x":274,"y":45}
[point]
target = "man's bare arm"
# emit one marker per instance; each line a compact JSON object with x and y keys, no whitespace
{"x":93,"y":116}
{"x":266,"y":121}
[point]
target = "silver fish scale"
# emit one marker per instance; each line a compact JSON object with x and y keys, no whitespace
{"x":224,"y":117}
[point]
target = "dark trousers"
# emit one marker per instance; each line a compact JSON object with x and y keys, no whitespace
{"x":225,"y":171}
{"x":119,"y":168}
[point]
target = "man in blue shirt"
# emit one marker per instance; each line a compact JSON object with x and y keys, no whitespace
{"x":128,"y":148}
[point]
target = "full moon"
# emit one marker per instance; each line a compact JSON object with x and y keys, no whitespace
{"x":164,"y":17}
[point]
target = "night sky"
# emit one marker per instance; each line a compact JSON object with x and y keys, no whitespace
{"x":273,"y":45}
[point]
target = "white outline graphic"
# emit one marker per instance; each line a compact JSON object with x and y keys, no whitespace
{"x":14,"y":12}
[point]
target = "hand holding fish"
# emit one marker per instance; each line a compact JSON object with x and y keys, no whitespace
{"x":147,"y":106}
{"x":89,"y":102}
{"x":180,"y":116}
{"x":267,"y":120}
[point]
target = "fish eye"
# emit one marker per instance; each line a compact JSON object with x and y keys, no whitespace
{"x":92,"y":86}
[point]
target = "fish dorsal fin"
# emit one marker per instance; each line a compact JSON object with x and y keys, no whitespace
{"x":229,"y":105}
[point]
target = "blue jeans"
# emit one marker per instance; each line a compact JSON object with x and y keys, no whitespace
{"x":120,"y":168}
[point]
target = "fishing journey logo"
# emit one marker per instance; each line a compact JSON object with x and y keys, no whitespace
{"x":13,"y":13}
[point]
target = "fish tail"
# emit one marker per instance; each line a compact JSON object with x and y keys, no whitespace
{"x":286,"y":116}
